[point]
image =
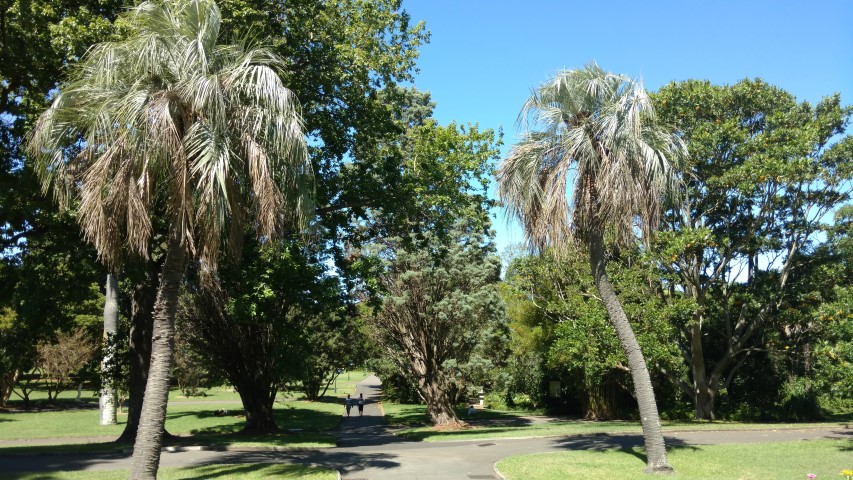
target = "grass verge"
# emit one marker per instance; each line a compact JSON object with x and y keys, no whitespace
{"x":414,"y":423}
{"x":242,"y":471}
{"x":782,"y":460}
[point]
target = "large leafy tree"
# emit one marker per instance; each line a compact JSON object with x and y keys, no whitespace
{"x":597,"y":130}
{"x":38,"y":262}
{"x":173,"y":124}
{"x":763,"y":172}
{"x":344,"y":60}
{"x":433,"y":256}
{"x":270,"y":320}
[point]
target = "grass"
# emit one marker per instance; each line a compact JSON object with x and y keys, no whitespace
{"x":415,"y":424}
{"x":193,"y":417}
{"x":782,"y":460}
{"x":242,"y":471}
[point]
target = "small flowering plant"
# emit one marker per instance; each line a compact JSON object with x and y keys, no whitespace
{"x":811,"y":476}
{"x":847,"y":474}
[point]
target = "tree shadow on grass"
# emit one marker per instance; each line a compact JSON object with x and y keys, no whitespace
{"x":291,"y":417}
{"x":629,"y":444}
{"x":239,"y":470}
{"x":347,"y":463}
{"x":847,"y":435}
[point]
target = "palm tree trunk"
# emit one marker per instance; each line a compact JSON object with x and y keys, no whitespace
{"x":146,"y":450}
{"x":656,"y":461}
{"x":108,"y":391}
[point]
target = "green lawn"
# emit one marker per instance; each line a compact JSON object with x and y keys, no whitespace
{"x":783,"y":460}
{"x":192,"y":417}
{"x":242,"y":471}
{"x":514,"y":424}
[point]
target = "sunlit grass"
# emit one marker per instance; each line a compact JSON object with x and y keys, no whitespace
{"x":186,"y":416}
{"x":781,"y":460}
{"x":487,"y":423}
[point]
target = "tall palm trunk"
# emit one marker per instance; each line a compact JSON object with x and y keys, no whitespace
{"x":108,"y":391}
{"x":656,"y":461}
{"x":146,"y":451}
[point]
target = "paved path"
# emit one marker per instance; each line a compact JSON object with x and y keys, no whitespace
{"x":367,"y":451}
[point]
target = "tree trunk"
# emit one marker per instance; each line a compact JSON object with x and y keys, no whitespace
{"x":7,"y":383}
{"x":258,"y":403}
{"x":146,"y":450}
{"x":703,"y":395}
{"x":656,"y":461}
{"x":108,"y":391}
{"x":439,"y":402}
{"x":141,"y":324}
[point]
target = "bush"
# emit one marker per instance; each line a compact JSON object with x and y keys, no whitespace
{"x":61,"y":360}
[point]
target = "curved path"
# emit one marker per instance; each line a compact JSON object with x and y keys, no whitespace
{"x":367,"y":451}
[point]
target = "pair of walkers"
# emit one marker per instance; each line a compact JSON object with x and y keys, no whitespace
{"x":348,"y":402}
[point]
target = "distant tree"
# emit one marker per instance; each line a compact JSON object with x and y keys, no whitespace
{"x":192,"y":372}
{"x":203,"y":134}
{"x":439,"y":304}
{"x":598,"y":130}
{"x":60,"y":360}
{"x":270,"y":320}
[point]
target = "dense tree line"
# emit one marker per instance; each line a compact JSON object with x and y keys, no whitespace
{"x":701,"y":266}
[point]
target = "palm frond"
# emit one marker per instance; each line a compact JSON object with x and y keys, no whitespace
{"x":596,"y":131}
{"x":167,"y":113}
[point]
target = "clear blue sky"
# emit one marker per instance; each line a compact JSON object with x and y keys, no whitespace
{"x":485,"y":56}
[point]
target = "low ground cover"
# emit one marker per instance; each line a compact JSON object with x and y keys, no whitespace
{"x":781,"y":460}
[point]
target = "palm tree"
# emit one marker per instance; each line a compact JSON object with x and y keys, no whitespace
{"x":596,"y":130}
{"x":167,"y":124}
{"x":107,"y":399}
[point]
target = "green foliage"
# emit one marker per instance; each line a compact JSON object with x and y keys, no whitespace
{"x":737,"y":257}
{"x":556,"y":314}
{"x":45,"y":275}
{"x":190,"y":370}
{"x":442,"y":322}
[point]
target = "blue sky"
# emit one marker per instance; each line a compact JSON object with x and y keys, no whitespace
{"x":485,"y":56}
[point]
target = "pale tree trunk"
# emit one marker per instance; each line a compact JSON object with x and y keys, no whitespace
{"x":108,"y":391}
{"x":656,"y":461}
{"x":146,"y":450}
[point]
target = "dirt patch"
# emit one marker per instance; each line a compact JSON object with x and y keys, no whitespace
{"x":452,"y":427}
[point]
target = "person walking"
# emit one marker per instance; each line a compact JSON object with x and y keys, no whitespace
{"x":360,"y":404}
{"x":348,"y":404}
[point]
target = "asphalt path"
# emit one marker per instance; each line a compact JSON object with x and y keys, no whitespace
{"x":368,"y":451}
